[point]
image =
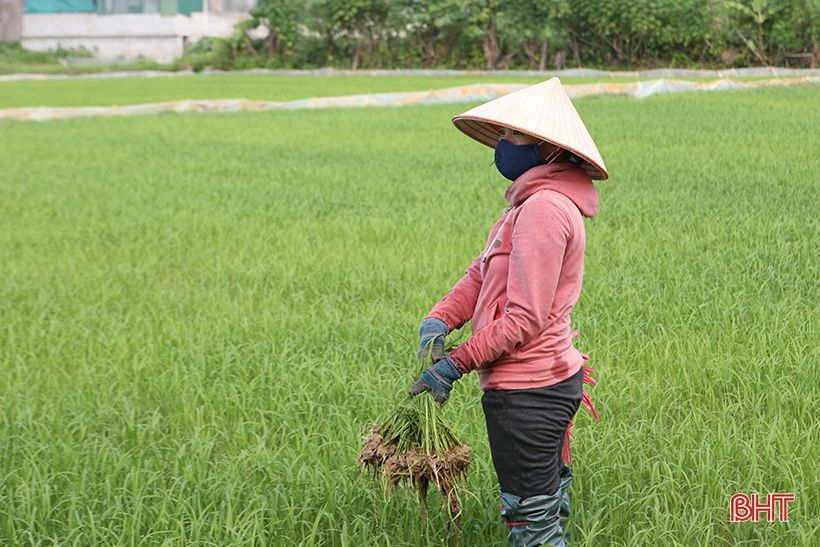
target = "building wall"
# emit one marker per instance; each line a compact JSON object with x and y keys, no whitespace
{"x":125,"y":36}
{"x":128,"y":29}
{"x":11,"y":20}
{"x":137,"y":6}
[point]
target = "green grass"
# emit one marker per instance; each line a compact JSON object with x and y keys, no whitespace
{"x":202,"y":315}
{"x":123,"y":91}
{"x":16,"y":60}
{"x":48,"y":68}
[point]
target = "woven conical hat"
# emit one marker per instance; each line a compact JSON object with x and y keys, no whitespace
{"x":542,"y":110}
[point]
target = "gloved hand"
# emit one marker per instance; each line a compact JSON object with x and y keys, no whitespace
{"x":436,"y":330}
{"x":438,"y":379}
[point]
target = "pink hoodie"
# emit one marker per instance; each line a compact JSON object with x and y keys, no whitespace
{"x":520,"y":290}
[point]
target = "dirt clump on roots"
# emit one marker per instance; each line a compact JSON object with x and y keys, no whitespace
{"x":445,"y":469}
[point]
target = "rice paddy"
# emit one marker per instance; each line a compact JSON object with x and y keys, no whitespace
{"x":202,"y":315}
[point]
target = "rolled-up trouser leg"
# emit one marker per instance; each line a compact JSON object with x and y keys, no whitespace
{"x":533,"y":521}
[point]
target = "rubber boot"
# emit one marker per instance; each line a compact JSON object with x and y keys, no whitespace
{"x":565,"y":508}
{"x":533,"y":521}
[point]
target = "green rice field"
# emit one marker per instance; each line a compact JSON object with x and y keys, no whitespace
{"x":202,"y":314}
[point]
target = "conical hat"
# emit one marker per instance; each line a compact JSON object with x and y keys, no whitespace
{"x":542,"y":110}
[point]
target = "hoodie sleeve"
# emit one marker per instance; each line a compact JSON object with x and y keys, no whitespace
{"x":539,"y":239}
{"x":458,"y":306}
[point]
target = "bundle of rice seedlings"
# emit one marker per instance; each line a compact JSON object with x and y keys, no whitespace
{"x":416,"y":447}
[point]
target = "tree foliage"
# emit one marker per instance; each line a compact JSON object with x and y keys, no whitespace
{"x":525,"y":34}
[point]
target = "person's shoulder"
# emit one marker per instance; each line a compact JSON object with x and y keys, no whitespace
{"x":549,"y":203}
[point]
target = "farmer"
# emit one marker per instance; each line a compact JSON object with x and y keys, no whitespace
{"x":519,"y":293}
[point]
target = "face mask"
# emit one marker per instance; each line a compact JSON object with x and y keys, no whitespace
{"x":513,"y":160}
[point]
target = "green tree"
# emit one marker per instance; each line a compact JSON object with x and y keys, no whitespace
{"x":361,"y":24}
{"x":531,"y":25}
{"x":482,"y":21}
{"x":496,"y":34}
{"x":430,"y":29}
{"x":772,"y":28}
{"x":281,"y":19}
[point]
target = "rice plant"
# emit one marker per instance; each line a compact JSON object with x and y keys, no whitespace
{"x":416,"y":446}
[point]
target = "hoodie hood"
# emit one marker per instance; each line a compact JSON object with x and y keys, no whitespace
{"x":564,"y":178}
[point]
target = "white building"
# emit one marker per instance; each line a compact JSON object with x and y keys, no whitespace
{"x":127,"y":29}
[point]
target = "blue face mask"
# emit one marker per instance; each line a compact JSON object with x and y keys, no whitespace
{"x":513,"y":160}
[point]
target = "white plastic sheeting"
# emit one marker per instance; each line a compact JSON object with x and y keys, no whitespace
{"x":569,"y":73}
{"x":460,"y":94}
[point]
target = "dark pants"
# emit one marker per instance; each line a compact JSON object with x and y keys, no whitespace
{"x":526,"y":432}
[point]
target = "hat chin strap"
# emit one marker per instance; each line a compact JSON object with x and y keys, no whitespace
{"x":553,"y":155}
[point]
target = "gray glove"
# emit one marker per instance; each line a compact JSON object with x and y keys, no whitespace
{"x":435,"y":330}
{"x":438,"y":379}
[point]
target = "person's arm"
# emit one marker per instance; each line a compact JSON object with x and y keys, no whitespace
{"x":539,"y":240}
{"x":458,"y":306}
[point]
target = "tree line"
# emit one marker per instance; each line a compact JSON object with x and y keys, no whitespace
{"x":519,"y":34}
